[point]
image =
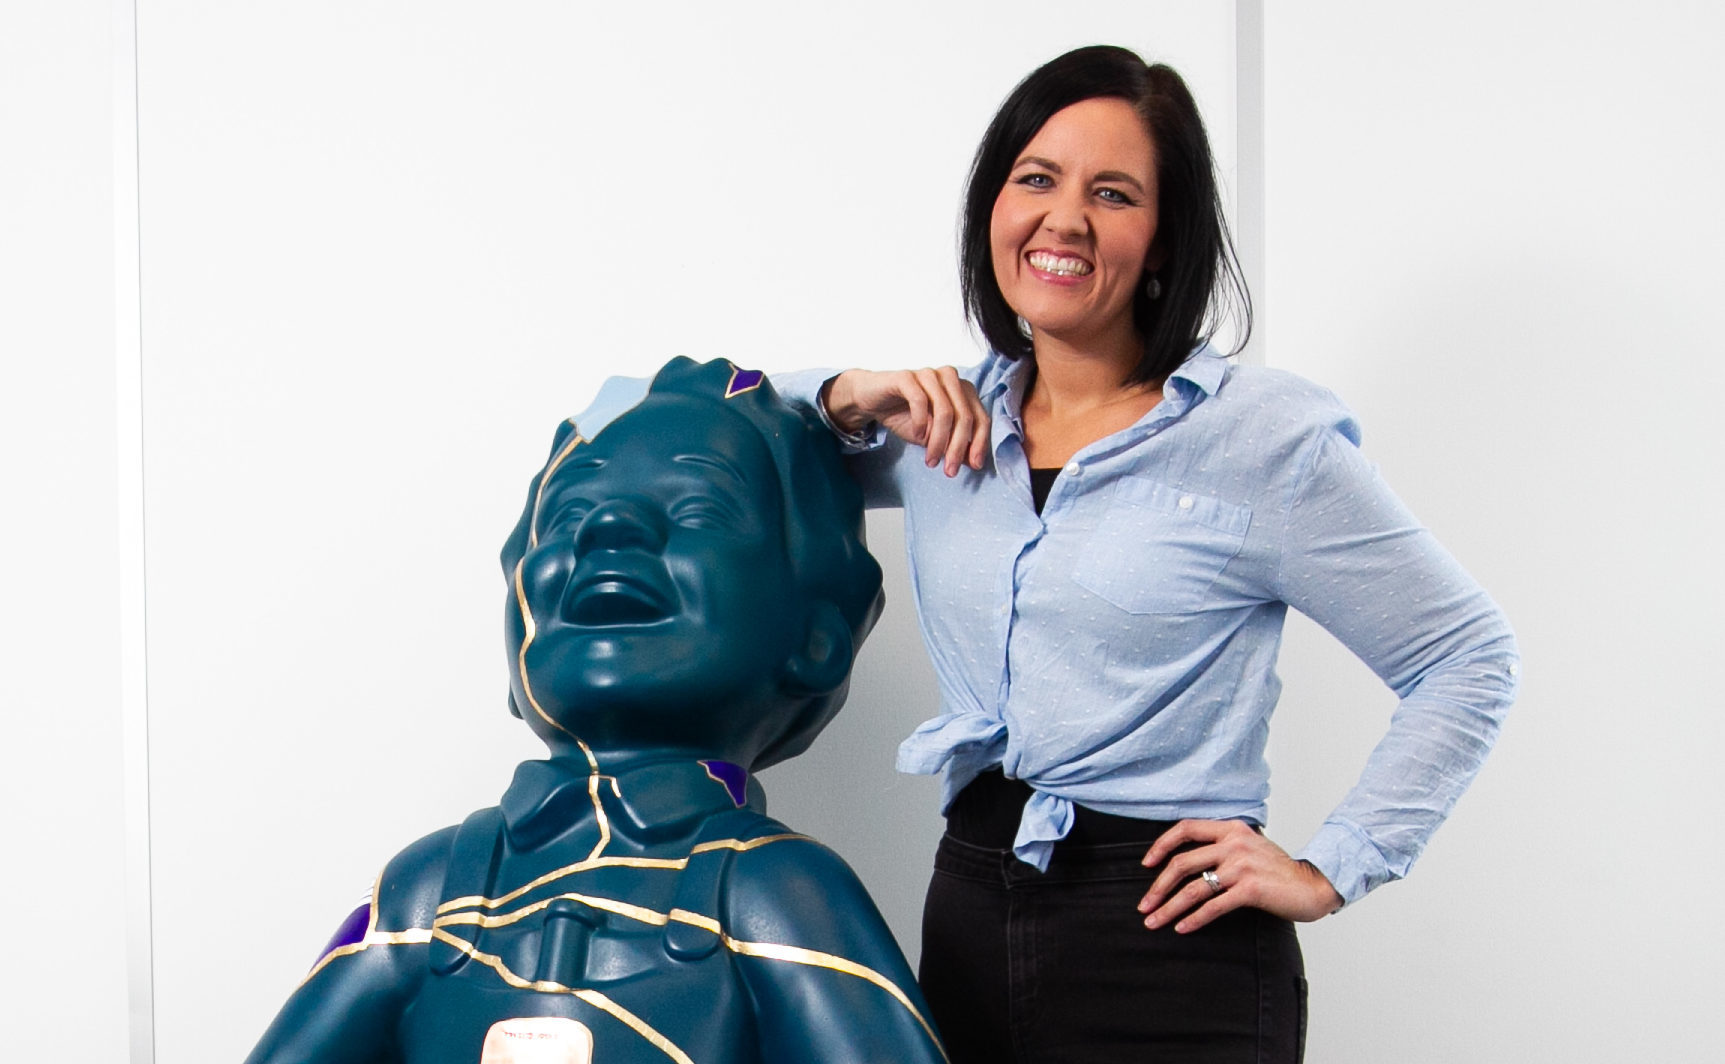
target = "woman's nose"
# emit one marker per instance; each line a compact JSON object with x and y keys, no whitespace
{"x":1066,"y":218}
{"x":622,"y":523}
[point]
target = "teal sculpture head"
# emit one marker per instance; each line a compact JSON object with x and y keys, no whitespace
{"x":692,"y":580}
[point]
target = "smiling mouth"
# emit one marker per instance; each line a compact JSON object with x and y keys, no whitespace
{"x":609,"y":599}
{"x":1059,"y":265}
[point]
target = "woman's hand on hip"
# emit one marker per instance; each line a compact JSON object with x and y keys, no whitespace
{"x":935,"y":409}
{"x":1244,"y":870}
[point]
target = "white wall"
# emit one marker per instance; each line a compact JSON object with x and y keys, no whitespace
{"x":62,"y":855}
{"x":1495,"y":229}
{"x":1491,"y":227}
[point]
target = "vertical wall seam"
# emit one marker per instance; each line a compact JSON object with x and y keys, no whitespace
{"x":129,"y":437}
{"x":1250,"y":242}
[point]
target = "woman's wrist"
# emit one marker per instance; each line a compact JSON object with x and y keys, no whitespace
{"x":842,"y":416}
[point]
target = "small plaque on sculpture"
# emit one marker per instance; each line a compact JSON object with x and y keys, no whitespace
{"x":538,"y":1040}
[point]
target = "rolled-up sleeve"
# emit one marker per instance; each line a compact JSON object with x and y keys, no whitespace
{"x":1357,"y":562}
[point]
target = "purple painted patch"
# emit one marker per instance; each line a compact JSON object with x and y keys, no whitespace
{"x":744,"y":380}
{"x":351,"y":932}
{"x":734,"y":777}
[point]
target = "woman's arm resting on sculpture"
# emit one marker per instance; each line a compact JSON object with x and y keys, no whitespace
{"x":935,"y":409}
{"x":1355,"y":561}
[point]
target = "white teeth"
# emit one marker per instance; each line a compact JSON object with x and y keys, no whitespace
{"x":1059,"y":265}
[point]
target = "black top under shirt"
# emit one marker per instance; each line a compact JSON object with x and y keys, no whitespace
{"x":1041,"y":482}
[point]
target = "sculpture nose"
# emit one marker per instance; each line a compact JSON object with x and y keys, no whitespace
{"x":621,"y":523}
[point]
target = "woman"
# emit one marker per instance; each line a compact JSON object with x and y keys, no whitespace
{"x":1105,"y":531}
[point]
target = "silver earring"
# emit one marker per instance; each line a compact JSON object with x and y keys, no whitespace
{"x":1153,"y":288}
{"x":1024,"y":328}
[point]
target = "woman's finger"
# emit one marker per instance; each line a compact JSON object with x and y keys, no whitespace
{"x":940,"y":414}
{"x":1183,"y":835}
{"x":965,"y":410}
{"x":912,"y":425}
{"x":1177,"y":870}
{"x":1194,"y":893}
{"x":1217,"y":905}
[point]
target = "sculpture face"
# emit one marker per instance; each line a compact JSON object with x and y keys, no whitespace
{"x":658,"y":608}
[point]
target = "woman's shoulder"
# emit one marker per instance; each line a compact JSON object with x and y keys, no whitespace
{"x":1280,"y":401}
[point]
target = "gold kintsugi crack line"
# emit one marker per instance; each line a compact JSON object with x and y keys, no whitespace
{"x":610,"y":905}
{"x":529,"y":629}
{"x":832,"y":962}
{"x":413,"y":936}
{"x":591,"y":997}
{"x":545,"y":477}
{"x":674,"y":864}
{"x":772,"y":951}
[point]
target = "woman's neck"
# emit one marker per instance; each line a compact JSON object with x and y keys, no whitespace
{"x":1080,"y":395}
{"x":1077,"y":375}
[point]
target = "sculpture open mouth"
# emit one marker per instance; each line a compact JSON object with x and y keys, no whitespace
{"x":610,"y":597}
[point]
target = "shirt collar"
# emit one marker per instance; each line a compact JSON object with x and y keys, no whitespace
{"x":649,"y":802}
{"x":1201,"y":374}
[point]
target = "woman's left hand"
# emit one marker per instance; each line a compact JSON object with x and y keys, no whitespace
{"x":1249,"y":870}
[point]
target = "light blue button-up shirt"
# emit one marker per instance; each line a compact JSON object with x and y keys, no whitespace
{"x":1119,"y":650}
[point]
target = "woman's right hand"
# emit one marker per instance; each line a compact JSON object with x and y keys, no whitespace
{"x":935,"y":409}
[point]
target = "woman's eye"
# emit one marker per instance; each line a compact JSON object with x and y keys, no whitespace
{"x":1113,"y":195}
{"x":1036,"y":181}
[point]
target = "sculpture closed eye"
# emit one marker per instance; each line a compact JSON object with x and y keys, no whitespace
{"x":686,"y":589}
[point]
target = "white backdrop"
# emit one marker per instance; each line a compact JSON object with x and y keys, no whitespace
{"x":379,"y":251}
{"x":1495,"y":229}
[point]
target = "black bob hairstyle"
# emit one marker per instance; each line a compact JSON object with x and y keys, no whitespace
{"x":1200,"y":274}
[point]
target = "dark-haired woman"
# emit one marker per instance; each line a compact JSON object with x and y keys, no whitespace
{"x":1106,"y":524}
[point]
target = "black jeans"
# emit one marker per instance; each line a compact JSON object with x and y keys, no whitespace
{"x":1056,"y":967}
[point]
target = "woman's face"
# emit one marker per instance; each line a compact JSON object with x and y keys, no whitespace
{"x":1074,"y":226}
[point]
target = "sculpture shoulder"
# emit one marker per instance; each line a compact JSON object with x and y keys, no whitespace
{"x":791,"y":888}
{"x":411,"y":885}
{"x":828,"y":977}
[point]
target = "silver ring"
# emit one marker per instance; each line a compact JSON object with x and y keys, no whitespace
{"x":1212,"y":880}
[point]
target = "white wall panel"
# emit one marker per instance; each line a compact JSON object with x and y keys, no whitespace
{"x":62,"y":846}
{"x":1494,"y":228}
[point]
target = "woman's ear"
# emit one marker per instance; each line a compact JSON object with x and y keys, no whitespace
{"x":823,"y":663}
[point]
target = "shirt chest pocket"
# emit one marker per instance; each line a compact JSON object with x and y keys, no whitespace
{"x":1159,"y":549}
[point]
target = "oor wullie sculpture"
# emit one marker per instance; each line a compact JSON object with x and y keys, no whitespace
{"x":686,"y":591}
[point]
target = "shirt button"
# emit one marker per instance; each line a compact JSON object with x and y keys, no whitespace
{"x":1073,"y":470}
{"x":1185,"y":502}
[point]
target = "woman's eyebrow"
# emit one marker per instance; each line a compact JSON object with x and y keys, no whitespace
{"x":1037,"y":160}
{"x":1122,"y":177}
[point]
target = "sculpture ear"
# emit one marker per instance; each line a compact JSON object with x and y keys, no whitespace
{"x":823,"y":663}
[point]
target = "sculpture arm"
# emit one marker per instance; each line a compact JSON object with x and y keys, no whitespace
{"x":828,"y":980}
{"x":347,"y":1009}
